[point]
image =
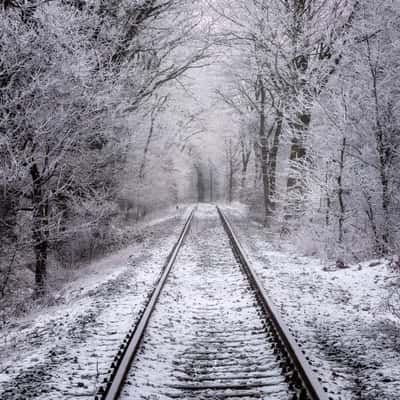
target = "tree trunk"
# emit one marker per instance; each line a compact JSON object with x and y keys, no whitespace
{"x":327,"y":197}
{"x":385,"y":206}
{"x":40,"y":230}
{"x":246,"y":153}
{"x":147,"y":146}
{"x":297,"y":150}
{"x":243,"y":182}
{"x":230,"y":171}
{"x":295,"y":182}
{"x":274,"y":154}
{"x":264,"y":153}
{"x":211,"y":177}
{"x":257,"y":158}
{"x":371,"y":218}
{"x":384,"y":152}
{"x":230,"y":184}
{"x":41,"y":266}
{"x":341,"y":191}
{"x":383,"y":161}
{"x":300,"y":126}
{"x":200,"y":185}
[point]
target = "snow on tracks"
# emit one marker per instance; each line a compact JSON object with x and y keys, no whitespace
{"x":206,"y":338}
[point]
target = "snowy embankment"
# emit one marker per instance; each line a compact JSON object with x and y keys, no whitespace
{"x":340,"y":317}
{"x":63,"y":351}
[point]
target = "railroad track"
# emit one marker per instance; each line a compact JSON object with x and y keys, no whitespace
{"x":213,"y":333}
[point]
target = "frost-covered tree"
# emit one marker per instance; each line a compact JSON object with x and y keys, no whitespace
{"x":283,"y":54}
{"x":75,"y":76}
{"x":59,"y":152}
{"x":355,"y":137}
{"x":316,"y":81}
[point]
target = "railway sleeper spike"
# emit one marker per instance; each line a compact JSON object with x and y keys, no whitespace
{"x":267,"y":327}
{"x":303,"y":395}
{"x":272,"y":330}
{"x":100,"y":391}
{"x":288,"y":380}
{"x":296,"y":379}
{"x":283,"y":364}
{"x":286,"y":368}
{"x":285,"y":355}
{"x":296,"y":396}
{"x":112,"y":374}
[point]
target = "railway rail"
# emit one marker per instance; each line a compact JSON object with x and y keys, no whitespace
{"x":209,"y":330}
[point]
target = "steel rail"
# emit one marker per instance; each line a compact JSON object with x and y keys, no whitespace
{"x":311,"y":388}
{"x":112,"y":386}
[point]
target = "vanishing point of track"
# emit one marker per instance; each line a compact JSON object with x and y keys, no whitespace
{"x":209,"y":330}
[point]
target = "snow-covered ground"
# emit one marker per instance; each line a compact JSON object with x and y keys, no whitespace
{"x":63,"y":351}
{"x":206,"y":338}
{"x":339,"y":317}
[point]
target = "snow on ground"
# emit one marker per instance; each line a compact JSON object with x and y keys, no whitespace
{"x":63,"y":351}
{"x":339,"y":317}
{"x":206,"y":339}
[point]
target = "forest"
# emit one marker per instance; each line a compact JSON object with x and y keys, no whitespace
{"x":110,"y":110}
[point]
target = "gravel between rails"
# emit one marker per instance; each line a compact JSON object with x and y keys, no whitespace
{"x":206,"y":338}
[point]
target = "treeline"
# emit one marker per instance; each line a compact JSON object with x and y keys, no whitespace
{"x":314,"y":85}
{"x":75,"y":77}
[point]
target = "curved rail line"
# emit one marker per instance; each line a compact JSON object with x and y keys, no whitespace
{"x":295,"y":367}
